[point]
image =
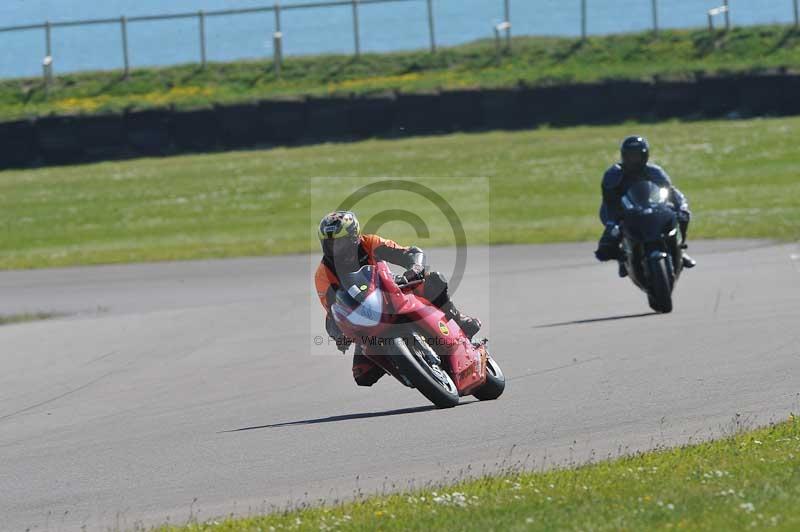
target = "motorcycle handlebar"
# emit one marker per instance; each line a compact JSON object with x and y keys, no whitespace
{"x":408,"y":285}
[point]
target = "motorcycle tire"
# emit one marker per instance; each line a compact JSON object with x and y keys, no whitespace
{"x":660,"y":293}
{"x":434,"y":383}
{"x":495,"y":382}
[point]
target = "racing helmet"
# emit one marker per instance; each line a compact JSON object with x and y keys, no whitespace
{"x":339,"y":233}
{"x":634,"y":154}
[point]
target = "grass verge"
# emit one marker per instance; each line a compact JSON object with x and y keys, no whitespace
{"x":740,"y":177}
{"x":746,"y":481}
{"x":9,"y":319}
{"x":535,"y":61}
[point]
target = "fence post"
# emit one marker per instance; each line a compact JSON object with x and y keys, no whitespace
{"x":277,"y":42}
{"x":356,"y":35}
{"x":277,"y":46}
{"x":507,"y":14}
{"x":123,"y":25}
{"x":583,"y":20}
{"x":201,"y":19}
{"x":655,"y":17}
{"x":497,"y":48}
{"x":432,"y":31}
{"x":48,"y":42}
{"x":47,"y":72}
{"x":727,"y":15}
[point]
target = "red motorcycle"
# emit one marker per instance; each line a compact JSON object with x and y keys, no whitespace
{"x":403,"y":333}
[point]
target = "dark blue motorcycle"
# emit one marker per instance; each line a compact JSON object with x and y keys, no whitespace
{"x":652,"y":244}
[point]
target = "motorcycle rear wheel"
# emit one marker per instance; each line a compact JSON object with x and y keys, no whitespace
{"x":432,"y":382}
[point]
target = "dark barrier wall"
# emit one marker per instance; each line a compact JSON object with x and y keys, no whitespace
{"x":369,"y":115}
{"x":196,"y":130}
{"x":72,"y":139}
{"x":328,"y":119}
{"x":102,"y":136}
{"x":18,"y":144}
{"x":148,"y":132}
{"x":417,"y":114}
{"x":284,"y":121}
{"x":240,"y":125}
{"x":59,"y":142}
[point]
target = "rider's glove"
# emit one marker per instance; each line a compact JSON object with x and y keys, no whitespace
{"x":612,"y":231}
{"x":684,"y":214}
{"x":342,"y":342}
{"x":415,"y":273}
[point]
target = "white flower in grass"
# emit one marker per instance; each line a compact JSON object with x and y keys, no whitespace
{"x":451,"y":499}
{"x":747,"y":507}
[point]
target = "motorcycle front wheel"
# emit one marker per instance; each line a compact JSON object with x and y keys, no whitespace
{"x":495,"y":382}
{"x":432,"y":381}
{"x":660,"y":290}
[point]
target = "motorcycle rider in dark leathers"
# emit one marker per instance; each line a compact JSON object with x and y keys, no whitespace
{"x":634,"y":167}
{"x":345,"y":249}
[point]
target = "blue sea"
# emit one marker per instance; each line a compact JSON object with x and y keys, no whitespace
{"x":384,"y":27}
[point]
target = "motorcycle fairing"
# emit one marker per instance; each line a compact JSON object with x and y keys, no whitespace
{"x":467,"y":367}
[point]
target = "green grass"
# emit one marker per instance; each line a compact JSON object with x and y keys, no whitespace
{"x":10,"y":319}
{"x":740,"y":176}
{"x":745,"y":481}
{"x":535,"y":61}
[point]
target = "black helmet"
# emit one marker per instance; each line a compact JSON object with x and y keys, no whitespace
{"x":634,"y":154}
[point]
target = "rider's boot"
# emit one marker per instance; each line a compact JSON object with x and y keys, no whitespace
{"x":365,"y":372}
{"x":688,"y":262}
{"x":623,"y":270}
{"x":469,"y":325}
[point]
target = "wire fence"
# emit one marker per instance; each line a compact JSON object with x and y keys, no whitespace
{"x":277,"y":34}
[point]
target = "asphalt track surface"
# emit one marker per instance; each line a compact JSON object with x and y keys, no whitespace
{"x":192,"y":388}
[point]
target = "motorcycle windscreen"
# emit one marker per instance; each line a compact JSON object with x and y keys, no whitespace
{"x":643,"y":195}
{"x":360,"y":278}
{"x":355,"y":303}
{"x":367,"y":313}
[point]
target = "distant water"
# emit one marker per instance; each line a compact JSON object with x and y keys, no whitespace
{"x":384,"y":27}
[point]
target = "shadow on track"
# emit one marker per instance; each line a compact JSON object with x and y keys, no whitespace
{"x":344,"y":417}
{"x":595,"y":320}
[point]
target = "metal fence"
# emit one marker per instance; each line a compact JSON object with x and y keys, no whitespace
{"x":277,"y":35}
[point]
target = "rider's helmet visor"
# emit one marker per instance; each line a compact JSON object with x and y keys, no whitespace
{"x":340,"y":248}
{"x":633,"y":160}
